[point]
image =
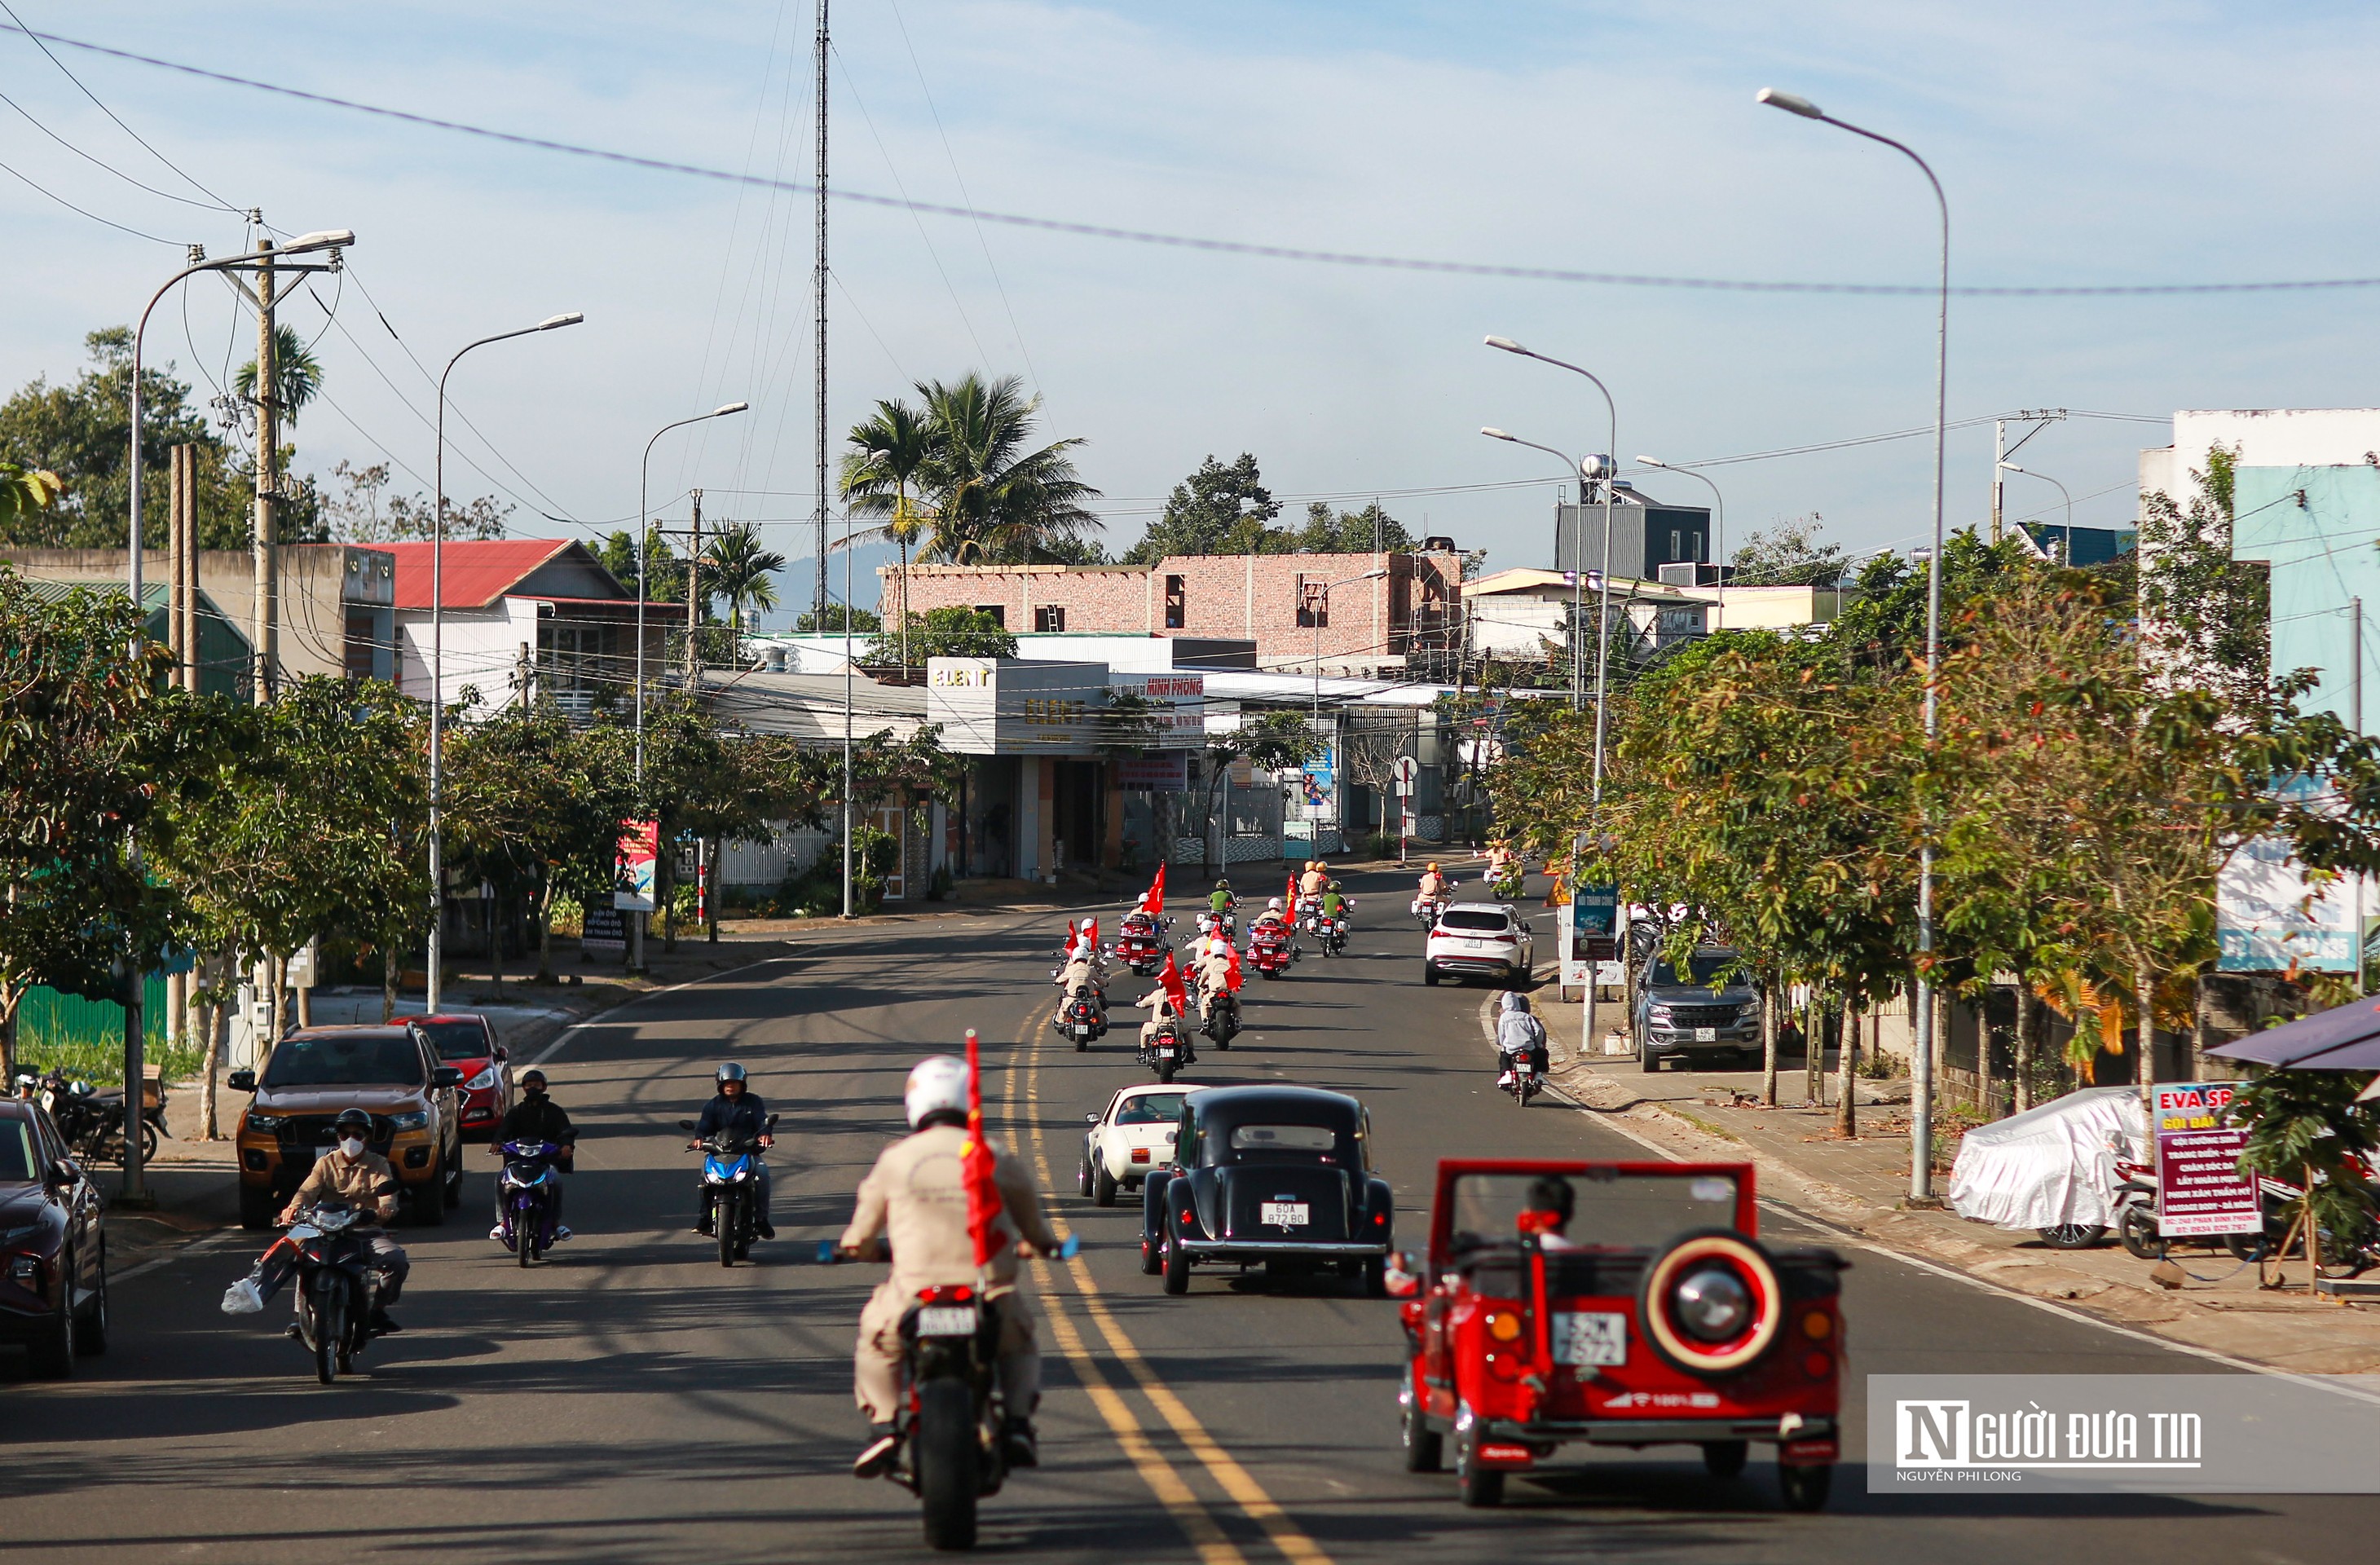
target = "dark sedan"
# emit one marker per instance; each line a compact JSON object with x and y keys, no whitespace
{"x":1278,"y":1176}
{"x":53,"y":1251}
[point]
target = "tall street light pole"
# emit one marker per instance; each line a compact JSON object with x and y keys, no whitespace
{"x":1921,"y":1095}
{"x":644,"y":580}
{"x":1321,"y":614}
{"x":1719,"y":512}
{"x":438,"y":662}
{"x":136,"y":1184}
{"x":2044,"y":478}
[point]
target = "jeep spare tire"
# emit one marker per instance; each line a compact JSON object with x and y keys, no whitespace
{"x":1711,"y":1303}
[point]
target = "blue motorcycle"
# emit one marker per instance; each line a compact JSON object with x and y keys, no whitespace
{"x":528,"y":1198}
{"x":731,"y":1177}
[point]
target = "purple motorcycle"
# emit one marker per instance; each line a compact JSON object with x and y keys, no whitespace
{"x":528,"y":1198}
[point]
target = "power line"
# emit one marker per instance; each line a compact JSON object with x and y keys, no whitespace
{"x":1227,"y":247}
{"x":84,"y":212}
{"x":38,"y":43}
{"x":101,"y":162}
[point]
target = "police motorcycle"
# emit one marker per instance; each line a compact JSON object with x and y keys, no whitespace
{"x":1221,"y":1019}
{"x":731,"y":1176}
{"x":526,"y":1210}
{"x":1270,"y":947}
{"x":1168,"y":1049}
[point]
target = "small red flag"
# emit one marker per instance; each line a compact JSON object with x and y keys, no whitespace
{"x":1091,"y":933}
{"x":1171,"y":979}
{"x":976,"y":1162}
{"x":1289,"y":896}
{"x":1070,"y":937}
{"x":1156,"y":891}
{"x":1232,"y":979}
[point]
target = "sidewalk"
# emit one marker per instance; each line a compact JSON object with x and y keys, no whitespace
{"x":1862,"y":1184}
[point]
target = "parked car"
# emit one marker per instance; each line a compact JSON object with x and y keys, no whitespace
{"x":1476,"y":939}
{"x":1680,"y":1015}
{"x":468,"y":1042}
{"x":316,"y":1073}
{"x":1132,"y":1134}
{"x":53,"y":1250}
{"x":1651,"y":1315}
{"x":1277,"y":1176}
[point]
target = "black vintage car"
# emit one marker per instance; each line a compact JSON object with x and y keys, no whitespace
{"x":53,"y":1256}
{"x":1276,"y":1175}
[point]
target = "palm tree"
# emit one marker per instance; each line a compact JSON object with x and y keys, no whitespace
{"x":302,"y":374}
{"x":740,"y":569}
{"x":881,"y":473}
{"x":993,"y":500}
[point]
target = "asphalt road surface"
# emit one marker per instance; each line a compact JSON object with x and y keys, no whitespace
{"x":632,"y":1401}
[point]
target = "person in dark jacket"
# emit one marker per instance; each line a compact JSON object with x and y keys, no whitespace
{"x":735,"y":1112}
{"x":535,"y":1117}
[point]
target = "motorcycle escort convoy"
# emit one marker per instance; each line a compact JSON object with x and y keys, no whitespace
{"x":1083,"y":1016}
{"x":1140,"y":945}
{"x":1270,"y":948}
{"x":731,"y":1174}
{"x":525,"y":1198}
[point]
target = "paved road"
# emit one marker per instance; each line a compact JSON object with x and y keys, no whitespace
{"x":632,"y":1401}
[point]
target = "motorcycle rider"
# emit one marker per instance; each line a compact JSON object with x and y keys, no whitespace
{"x":1334,"y":901}
{"x":1519,"y":1035}
{"x":1214,"y":971}
{"x":915,"y":1199}
{"x":1160,"y":1004}
{"x":742,"y":1117}
{"x":1433,"y":885}
{"x":1271,"y":921}
{"x":1086,"y":968}
{"x":350,"y":1172}
{"x":536,"y":1117}
{"x":1316,"y":876}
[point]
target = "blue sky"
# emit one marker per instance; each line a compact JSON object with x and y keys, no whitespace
{"x":2106,"y":144}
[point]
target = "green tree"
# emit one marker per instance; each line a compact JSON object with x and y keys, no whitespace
{"x":1221,"y":509}
{"x":882,"y":473}
{"x":955,"y":631}
{"x":2200,"y":608}
{"x":809,"y":622}
{"x":1367,"y":531}
{"x":2306,"y":1128}
{"x":992,"y":500}
{"x":619,"y":556}
{"x":300,"y":372}
{"x":359,"y":514}
{"x":1790,"y":555}
{"x":24,"y":490}
{"x":737,"y":566}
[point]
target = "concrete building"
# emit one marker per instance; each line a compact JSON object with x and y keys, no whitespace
{"x":1523,"y":615}
{"x":1645,"y":534}
{"x":337,"y":615}
{"x":224,"y":660}
{"x":1766,"y":608}
{"x":1406,"y":622}
{"x":509,"y":601}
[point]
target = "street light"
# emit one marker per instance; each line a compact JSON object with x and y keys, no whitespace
{"x":438,"y":662}
{"x":1718,"y":511}
{"x":2044,"y":478}
{"x":644,"y":529}
{"x":1921,"y":1095}
{"x":1323,"y":612}
{"x":1578,"y":593}
{"x":136,"y":1184}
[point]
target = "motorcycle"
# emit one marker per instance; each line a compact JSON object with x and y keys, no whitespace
{"x":92,"y":1120}
{"x":731,"y":1174}
{"x":1082,"y":1016}
{"x":1225,"y":924}
{"x":1333,"y":932}
{"x":1142,"y":950}
{"x":1521,"y":1077}
{"x":525,"y":1197}
{"x":1270,"y":951}
{"x":1506,"y":886}
{"x":1168,"y":1050}
{"x":1425,"y":911}
{"x":338,"y":1290}
{"x":1221,"y":1019}
{"x":1309,"y":914}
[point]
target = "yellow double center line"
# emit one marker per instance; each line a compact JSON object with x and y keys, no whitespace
{"x":1188,"y":1511}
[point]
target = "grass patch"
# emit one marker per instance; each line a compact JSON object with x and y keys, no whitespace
{"x":100,"y":1061}
{"x":1703,"y":1125}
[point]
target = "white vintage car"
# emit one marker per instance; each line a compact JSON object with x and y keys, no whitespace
{"x":1130,"y":1135}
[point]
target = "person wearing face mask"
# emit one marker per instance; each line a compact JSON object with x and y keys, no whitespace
{"x":352,"y":1172}
{"x":534,"y":1118}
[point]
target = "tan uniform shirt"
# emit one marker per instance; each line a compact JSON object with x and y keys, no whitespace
{"x":367,"y":1183}
{"x":915,"y":1196}
{"x":1311,"y":883}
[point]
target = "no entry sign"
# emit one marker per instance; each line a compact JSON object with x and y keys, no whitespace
{"x":2200,"y":1187}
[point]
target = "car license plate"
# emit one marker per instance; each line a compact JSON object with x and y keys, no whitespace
{"x":1705,"y":1035}
{"x":946,"y":1320}
{"x":1583,"y":1338}
{"x":1284,"y":1213}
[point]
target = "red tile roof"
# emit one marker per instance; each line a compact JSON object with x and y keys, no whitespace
{"x":476,"y":572}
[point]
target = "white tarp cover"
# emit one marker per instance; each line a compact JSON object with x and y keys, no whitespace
{"x":2049,"y":1165}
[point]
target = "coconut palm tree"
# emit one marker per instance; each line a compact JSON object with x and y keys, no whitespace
{"x":302,"y":374}
{"x":993,"y":500}
{"x":740,"y":569}
{"x":880,"y":474}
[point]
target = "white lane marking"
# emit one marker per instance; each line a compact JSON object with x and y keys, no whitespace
{"x":603,"y":1018}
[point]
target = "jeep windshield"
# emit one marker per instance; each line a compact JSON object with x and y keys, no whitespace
{"x":345,"y":1061}
{"x":1700,"y":973}
{"x":1608,"y":1210}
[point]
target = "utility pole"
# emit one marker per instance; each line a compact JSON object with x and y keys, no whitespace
{"x":2000,"y":479}
{"x":266,"y":607}
{"x":694,"y":599}
{"x":818,"y":280}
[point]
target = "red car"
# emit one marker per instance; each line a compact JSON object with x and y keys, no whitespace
{"x":1615,"y":1305}
{"x":466,"y":1040}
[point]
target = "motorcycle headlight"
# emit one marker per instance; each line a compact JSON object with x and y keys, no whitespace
{"x":743,"y":1175}
{"x":418,"y":1119}
{"x":264,"y":1121}
{"x":483,"y":1081}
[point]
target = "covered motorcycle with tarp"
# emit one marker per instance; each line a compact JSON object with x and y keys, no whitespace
{"x":2053,"y":1169}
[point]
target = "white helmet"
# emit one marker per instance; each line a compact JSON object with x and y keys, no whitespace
{"x":936,"y":1085}
{"x":1273,"y":905}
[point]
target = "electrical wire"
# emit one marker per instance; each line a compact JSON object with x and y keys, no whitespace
{"x":85,"y":212}
{"x":1226,"y":247}
{"x":43,"y":41}
{"x":101,"y":162}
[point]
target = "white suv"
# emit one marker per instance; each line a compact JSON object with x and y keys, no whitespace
{"x":1475,"y":940}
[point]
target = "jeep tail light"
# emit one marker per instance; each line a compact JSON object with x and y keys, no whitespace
{"x":1817,"y":1363}
{"x":1818,"y":1326}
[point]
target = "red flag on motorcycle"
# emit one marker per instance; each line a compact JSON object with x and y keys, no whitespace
{"x":1289,"y":896}
{"x":1070,"y":937}
{"x":1091,"y":933}
{"x":1231,"y":976}
{"x":976,"y":1163}
{"x":1171,"y":979}
{"x":1156,"y":891}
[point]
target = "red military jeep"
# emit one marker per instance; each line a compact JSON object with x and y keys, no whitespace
{"x":1615,"y":1305}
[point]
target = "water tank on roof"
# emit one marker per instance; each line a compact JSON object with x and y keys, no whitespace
{"x":1437,"y":545}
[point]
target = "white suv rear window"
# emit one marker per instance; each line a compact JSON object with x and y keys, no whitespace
{"x":1474,"y":919}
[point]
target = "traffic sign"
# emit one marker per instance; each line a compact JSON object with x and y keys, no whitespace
{"x":1406,"y":770}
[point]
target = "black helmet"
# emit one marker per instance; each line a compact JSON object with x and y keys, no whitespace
{"x":730,"y":1072}
{"x":355,"y":1119}
{"x":533,"y":1075}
